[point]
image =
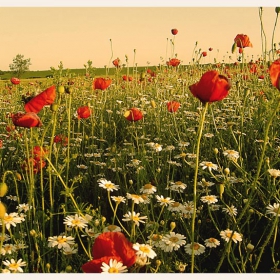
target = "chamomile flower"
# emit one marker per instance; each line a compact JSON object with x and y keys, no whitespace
{"x":112,"y":228}
{"x":144,"y":250}
{"x":231,"y":154}
{"x":175,"y":206}
{"x":273,"y":209}
{"x":134,"y":218}
{"x":75,"y":221}
{"x":232,"y":211}
{"x":8,"y":249}
{"x":164,"y":201}
{"x":209,"y":165}
{"x":61,"y":241}
{"x":148,"y":189}
{"x":68,"y":251}
{"x":135,"y":197}
{"x":11,"y":219}
{"x":172,"y":242}
{"x":274,"y":172}
{"x":211,"y":242}
{"x":198,"y":248}
{"x":23,"y":207}
{"x":209,"y":199}
{"x":228,"y":234}
{"x":14,"y":266}
{"x":108,"y":185}
{"x":177,"y":186}
{"x":118,"y":199}
{"x":113,"y":267}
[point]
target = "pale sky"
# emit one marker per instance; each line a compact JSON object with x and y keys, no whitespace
{"x":74,"y":35}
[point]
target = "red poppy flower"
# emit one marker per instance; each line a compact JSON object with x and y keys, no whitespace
{"x":15,"y":81}
{"x":60,"y":139}
{"x":211,"y":87}
{"x":28,"y":119}
{"x":33,"y":164}
{"x":39,"y":152}
{"x":101,"y":83}
{"x":127,"y":78}
{"x":37,"y":103}
{"x":133,"y":115}
{"x":173,"y":106}
{"x":173,"y":62}
{"x":117,"y":62}
{"x":274,"y":72}
{"x":204,"y":54}
{"x":242,"y":41}
{"x":84,"y":112}
{"x":110,"y":245}
{"x":174,"y":31}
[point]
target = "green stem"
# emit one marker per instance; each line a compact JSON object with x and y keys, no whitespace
{"x":200,"y":129}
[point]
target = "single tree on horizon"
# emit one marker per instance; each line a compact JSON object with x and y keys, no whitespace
{"x":20,"y":65}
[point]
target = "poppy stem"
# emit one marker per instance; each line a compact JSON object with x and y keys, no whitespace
{"x":200,"y":129}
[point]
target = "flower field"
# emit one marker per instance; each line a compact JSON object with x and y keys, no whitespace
{"x":174,"y":169}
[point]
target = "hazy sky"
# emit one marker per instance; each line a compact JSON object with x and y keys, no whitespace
{"x":74,"y":35}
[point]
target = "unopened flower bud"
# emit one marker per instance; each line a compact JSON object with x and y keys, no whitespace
{"x":172,"y":226}
{"x":68,"y":268}
{"x":130,"y":182}
{"x":96,"y":222}
{"x":3,"y":210}
{"x":227,"y":171}
{"x":250,"y":247}
{"x":3,"y":189}
{"x":33,"y":232}
{"x":216,"y":151}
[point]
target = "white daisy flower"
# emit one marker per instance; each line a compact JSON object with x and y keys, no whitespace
{"x":172,"y":242}
{"x":231,"y":154}
{"x":113,"y":267}
{"x":118,"y":199}
{"x":232,"y":211}
{"x":209,"y":165}
{"x":135,"y":197}
{"x":148,"y":189}
{"x":14,"y":266}
{"x":134,"y":217}
{"x":23,"y":207}
{"x":228,"y":234}
{"x":144,"y":250}
{"x":164,"y":201}
{"x":108,"y":185}
{"x":61,"y":241}
{"x":273,"y":209}
{"x":177,"y":186}
{"x":274,"y":172}
{"x":211,"y":242}
{"x":11,"y":219}
{"x":209,"y":199}
{"x":112,"y":228}
{"x":198,"y":248}
{"x":75,"y":221}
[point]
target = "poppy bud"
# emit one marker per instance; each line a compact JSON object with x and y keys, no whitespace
{"x":2,"y":210}
{"x":61,"y":89}
{"x":277,"y":10}
{"x":3,"y":189}
{"x":174,"y":31}
{"x":54,"y":107}
{"x":233,"y":48}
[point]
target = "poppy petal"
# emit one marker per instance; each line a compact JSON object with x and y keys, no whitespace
{"x":37,"y":103}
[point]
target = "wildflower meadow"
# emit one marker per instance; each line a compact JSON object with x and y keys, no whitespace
{"x":171,"y":169}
